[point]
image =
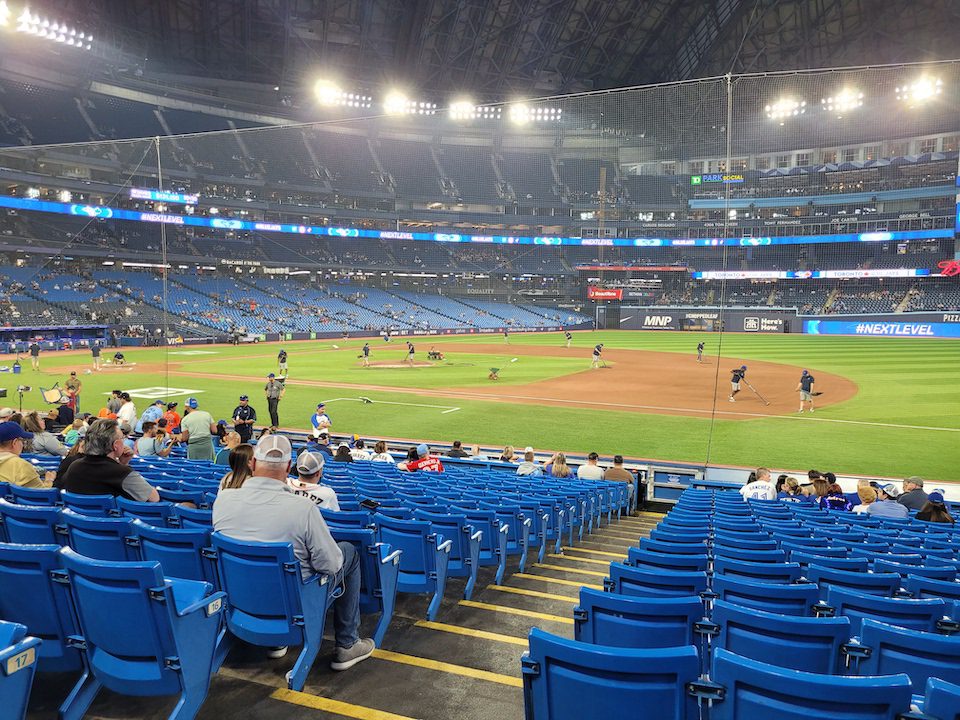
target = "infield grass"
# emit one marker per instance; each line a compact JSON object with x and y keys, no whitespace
{"x":904,"y":420}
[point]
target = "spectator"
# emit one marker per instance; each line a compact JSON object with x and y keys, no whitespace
{"x":103,"y":468}
{"x":380,"y":453}
{"x":820,"y":488}
{"x":779,"y":486}
{"x":230,"y":441}
{"x":618,"y":473}
{"x":153,"y":413}
{"x":529,"y":466}
{"x":590,"y":471}
{"x":115,"y":402}
{"x":43,"y":443}
{"x":197,"y":429}
{"x":935,"y":510}
{"x":172,"y":417}
{"x":13,"y":468}
{"x":76,"y":452}
{"x":508,"y":455}
{"x":241,"y":467}
{"x":152,"y":444}
{"x":867,"y":496}
{"x":320,"y":421}
{"x":425,"y":461}
{"x":265,"y":510}
{"x":322,"y":445}
{"x":457,"y":450}
{"x":343,"y":453}
{"x":73,"y":434}
{"x":790,"y":491}
{"x":913,"y":497}
{"x":886,"y":504}
{"x":309,"y":474}
{"x":557,"y":467}
{"x":835,"y":499}
{"x":127,"y":414}
{"x":5,"y":414}
{"x":359,"y":451}
{"x":761,"y":488}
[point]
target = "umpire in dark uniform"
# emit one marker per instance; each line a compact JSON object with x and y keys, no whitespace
{"x":244,"y":417}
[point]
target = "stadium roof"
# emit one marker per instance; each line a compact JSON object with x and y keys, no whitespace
{"x":501,"y":49}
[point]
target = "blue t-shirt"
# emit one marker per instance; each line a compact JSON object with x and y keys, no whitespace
{"x":806,"y":382}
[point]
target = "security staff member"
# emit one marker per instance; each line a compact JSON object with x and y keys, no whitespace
{"x":244,"y":417}
{"x":273,"y":391}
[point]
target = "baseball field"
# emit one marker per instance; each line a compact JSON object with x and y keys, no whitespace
{"x":889,"y":406}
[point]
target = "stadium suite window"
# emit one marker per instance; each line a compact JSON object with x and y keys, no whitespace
{"x":783,"y":161}
{"x":928,"y":145}
{"x":951,"y":143}
{"x":696,"y":167}
{"x":871,"y":152}
{"x":828,"y":156}
{"x":803,"y":159}
{"x":762,"y":162}
{"x":850,"y":154}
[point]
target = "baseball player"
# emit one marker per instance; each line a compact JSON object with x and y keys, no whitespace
{"x":366,"y":354}
{"x":596,"y":355}
{"x":506,"y":336}
{"x":411,"y":352}
{"x":568,"y":336}
{"x":282,"y":361}
{"x":805,"y":387}
{"x":700,"y":352}
{"x":736,"y":376}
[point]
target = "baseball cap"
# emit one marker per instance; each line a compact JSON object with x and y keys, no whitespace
{"x":73,"y":372}
{"x":244,"y":397}
{"x":6,"y":412}
{"x":528,"y":448}
{"x":273,"y":448}
{"x":423,"y":450}
{"x":325,"y":436}
{"x":310,"y":463}
{"x":221,"y":422}
{"x":11,"y":431}
{"x":916,"y":480}
{"x":743,"y":367}
{"x":192,"y":403}
{"x":320,"y":405}
{"x":158,"y":402}
{"x":890,"y":489}
{"x":935,"y":497}
{"x":271,"y":375}
{"x":343,"y":445}
{"x":804,"y":373}
{"x":171,"y":405}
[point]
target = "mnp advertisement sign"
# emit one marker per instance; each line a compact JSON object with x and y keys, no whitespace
{"x":881,"y":329}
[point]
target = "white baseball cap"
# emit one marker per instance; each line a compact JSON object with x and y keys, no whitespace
{"x":527,"y":449}
{"x":6,"y":412}
{"x":273,"y":448}
{"x":309,"y":463}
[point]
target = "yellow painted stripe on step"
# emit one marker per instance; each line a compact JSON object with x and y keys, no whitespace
{"x":579,"y":559}
{"x":460,"y":670}
{"x":594,"y":552}
{"x":648,"y":513}
{"x":618,"y":536}
{"x":336,"y":707}
{"x":470,"y":632}
{"x":555,"y":581}
{"x":561,"y":568}
{"x":492,"y":607}
{"x":532,"y":593}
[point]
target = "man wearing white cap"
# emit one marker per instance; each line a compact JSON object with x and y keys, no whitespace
{"x":886,"y":504}
{"x":5,"y":414}
{"x":310,"y":472}
{"x":265,"y":509}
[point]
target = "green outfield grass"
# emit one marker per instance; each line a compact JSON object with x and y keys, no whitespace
{"x":904,"y":420}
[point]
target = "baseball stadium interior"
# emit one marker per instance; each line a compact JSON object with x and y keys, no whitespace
{"x":554,"y":304}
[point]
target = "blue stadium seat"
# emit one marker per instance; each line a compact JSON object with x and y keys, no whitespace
{"x":96,"y":505}
{"x":759,"y":690}
{"x":268,"y":601}
{"x":182,"y":552}
{"x":346,"y":518}
{"x":673,"y":548}
{"x":570,"y":680}
{"x":379,"y":573}
{"x":158,"y":637}
{"x":162,"y":514}
{"x":934,"y":572}
{"x":644,"y":558}
{"x":31,"y":524}
{"x":423,"y":562}
{"x":801,"y":643}
{"x":18,"y":664}
{"x":942,"y":700}
{"x":805,"y":559}
{"x":189,"y":517}
{"x":518,"y":530}
{"x":5,"y":490}
{"x":797,"y":599}
{"x":920,"y":655}
{"x":874,"y":583}
{"x":603,"y":618}
{"x":627,"y":580}
{"x":101,"y":538}
{"x":924,"y":587}
{"x":464,"y":558}
{"x":493,"y":541}
{"x":760,"y":571}
{"x":922,"y":614}
{"x":758,"y":556}
{"x":45,"y":497}
{"x":31,"y":594}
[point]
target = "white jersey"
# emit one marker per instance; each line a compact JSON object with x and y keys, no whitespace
{"x":384,"y":457}
{"x":759,"y":490}
{"x":359,"y":454}
{"x":323,"y":496}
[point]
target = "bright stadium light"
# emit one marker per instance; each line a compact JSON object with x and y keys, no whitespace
{"x":785,"y":108}
{"x":396,"y":103}
{"x":33,"y":193}
{"x":4,"y":14}
{"x":519,"y":114}
{"x":920,"y":91}
{"x":327,"y":92}
{"x":64,"y":196}
{"x":843,"y":102}
{"x":462,"y":110}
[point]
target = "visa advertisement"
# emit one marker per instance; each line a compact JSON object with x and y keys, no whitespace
{"x":882,"y":328}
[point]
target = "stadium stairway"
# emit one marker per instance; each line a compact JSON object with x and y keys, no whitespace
{"x":465,"y":665}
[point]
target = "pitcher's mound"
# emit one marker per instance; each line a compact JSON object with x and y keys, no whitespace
{"x":391,"y":364}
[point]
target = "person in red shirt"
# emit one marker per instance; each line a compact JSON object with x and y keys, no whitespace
{"x":425,"y":461}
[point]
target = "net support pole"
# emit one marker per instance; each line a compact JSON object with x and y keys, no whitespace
{"x":163,"y":269}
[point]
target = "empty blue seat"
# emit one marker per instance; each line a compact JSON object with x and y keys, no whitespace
{"x":934,"y":572}
{"x":569,"y":680}
{"x":269,"y":603}
{"x":924,"y":587}
{"x":18,"y":664}
{"x":379,"y":573}
{"x":797,"y":599}
{"x":688,"y":563}
{"x":182,"y":552}
{"x":915,"y":614}
{"x":518,"y":529}
{"x":98,"y":505}
{"x":423,"y":562}
{"x":801,"y":643}
{"x":493,"y":540}
{"x":759,"y":690}
{"x":920,"y":655}
{"x":627,"y":580}
{"x":673,"y":548}
{"x":603,"y":618}
{"x":942,"y":700}
{"x":157,"y":637}
{"x":163,"y":514}
{"x":874,"y":583}
{"x":464,"y":557}
{"x":772,"y":556}
{"x":45,"y":497}
{"x":763,"y":572}
{"x":102,"y":538}
{"x":31,"y":594}
{"x":806,"y":559}
{"x":31,"y":524}
{"x":201,"y":518}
